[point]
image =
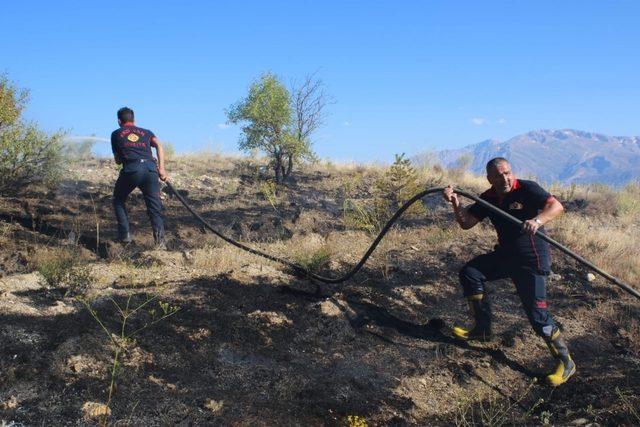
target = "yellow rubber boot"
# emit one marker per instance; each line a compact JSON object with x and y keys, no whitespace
{"x":481,"y":330}
{"x":460,"y":332}
{"x":565,"y":367}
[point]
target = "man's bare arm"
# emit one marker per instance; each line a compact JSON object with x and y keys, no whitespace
{"x":160,"y":152}
{"x":551,"y":210}
{"x":462,"y":215}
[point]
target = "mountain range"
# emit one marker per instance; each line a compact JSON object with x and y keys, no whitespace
{"x":566,"y":156}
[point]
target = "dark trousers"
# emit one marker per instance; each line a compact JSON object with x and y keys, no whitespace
{"x":142,"y":175}
{"x":529,"y":281}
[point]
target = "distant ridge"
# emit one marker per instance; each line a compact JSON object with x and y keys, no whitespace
{"x":566,"y":156}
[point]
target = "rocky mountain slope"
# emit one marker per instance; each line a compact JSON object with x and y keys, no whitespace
{"x":566,"y":156}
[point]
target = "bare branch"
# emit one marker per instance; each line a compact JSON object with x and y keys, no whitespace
{"x":309,"y":102}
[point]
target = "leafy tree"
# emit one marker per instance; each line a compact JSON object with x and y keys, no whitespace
{"x":28,"y":155}
{"x":12,"y":102}
{"x":277,"y":123}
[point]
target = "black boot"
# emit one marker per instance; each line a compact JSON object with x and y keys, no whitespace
{"x":565,"y":367}
{"x":481,"y":330}
{"x":160,"y":242}
{"x":124,"y":238}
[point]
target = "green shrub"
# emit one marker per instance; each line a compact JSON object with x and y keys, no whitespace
{"x":629,"y":200}
{"x":28,"y":155}
{"x":363,"y":215}
{"x":314,"y":260}
{"x":60,"y":269}
{"x":269,"y":190}
{"x":398,"y":184}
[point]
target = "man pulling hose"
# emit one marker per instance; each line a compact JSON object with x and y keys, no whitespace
{"x":520,"y":255}
{"x":131,"y":147}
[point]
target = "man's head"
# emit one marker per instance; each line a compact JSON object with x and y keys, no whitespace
{"x":125,"y":115}
{"x":499,"y":175}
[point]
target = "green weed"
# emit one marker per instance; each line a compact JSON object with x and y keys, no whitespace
{"x":61,"y":270}
{"x":269,"y":192}
{"x":122,"y":339}
{"x":313,"y":260}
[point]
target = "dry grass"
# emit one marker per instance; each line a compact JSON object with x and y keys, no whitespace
{"x":628,"y":203}
{"x":205,"y":161}
{"x":62,"y":268}
{"x":607,"y":244}
{"x":341,"y":249}
{"x":484,"y":406}
{"x":218,"y":260}
{"x":600,"y":224}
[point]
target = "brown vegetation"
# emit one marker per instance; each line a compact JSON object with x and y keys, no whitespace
{"x":246,"y":343}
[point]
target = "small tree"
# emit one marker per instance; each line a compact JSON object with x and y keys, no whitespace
{"x":277,"y":123}
{"x":399,"y":183}
{"x":309,"y":100}
{"x":27,"y":155}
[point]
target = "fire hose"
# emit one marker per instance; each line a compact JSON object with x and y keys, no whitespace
{"x":333,"y":280}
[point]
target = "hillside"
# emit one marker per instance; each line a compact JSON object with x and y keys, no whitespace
{"x":565,"y":156}
{"x":227,"y":338}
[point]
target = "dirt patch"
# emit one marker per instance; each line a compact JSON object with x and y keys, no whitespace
{"x":250,"y":344}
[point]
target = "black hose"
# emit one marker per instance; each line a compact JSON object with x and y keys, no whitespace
{"x":299,"y":269}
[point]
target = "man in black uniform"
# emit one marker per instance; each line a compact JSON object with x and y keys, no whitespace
{"x":520,"y":255}
{"x":131,"y":147}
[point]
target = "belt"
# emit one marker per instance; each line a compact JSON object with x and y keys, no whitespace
{"x":127,"y":162}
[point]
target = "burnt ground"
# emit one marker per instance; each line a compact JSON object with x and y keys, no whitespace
{"x":252,"y":345}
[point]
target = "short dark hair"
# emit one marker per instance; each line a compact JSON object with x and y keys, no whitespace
{"x":125,"y":114}
{"x":493,"y":163}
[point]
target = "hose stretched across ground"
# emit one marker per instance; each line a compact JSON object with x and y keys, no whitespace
{"x":301,"y":270}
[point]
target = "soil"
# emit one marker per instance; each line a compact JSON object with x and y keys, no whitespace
{"x":251,"y":345}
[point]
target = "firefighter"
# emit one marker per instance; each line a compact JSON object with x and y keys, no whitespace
{"x":520,"y":255}
{"x":131,"y":147}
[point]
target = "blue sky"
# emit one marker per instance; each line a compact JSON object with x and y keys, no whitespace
{"x":406,"y":76}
